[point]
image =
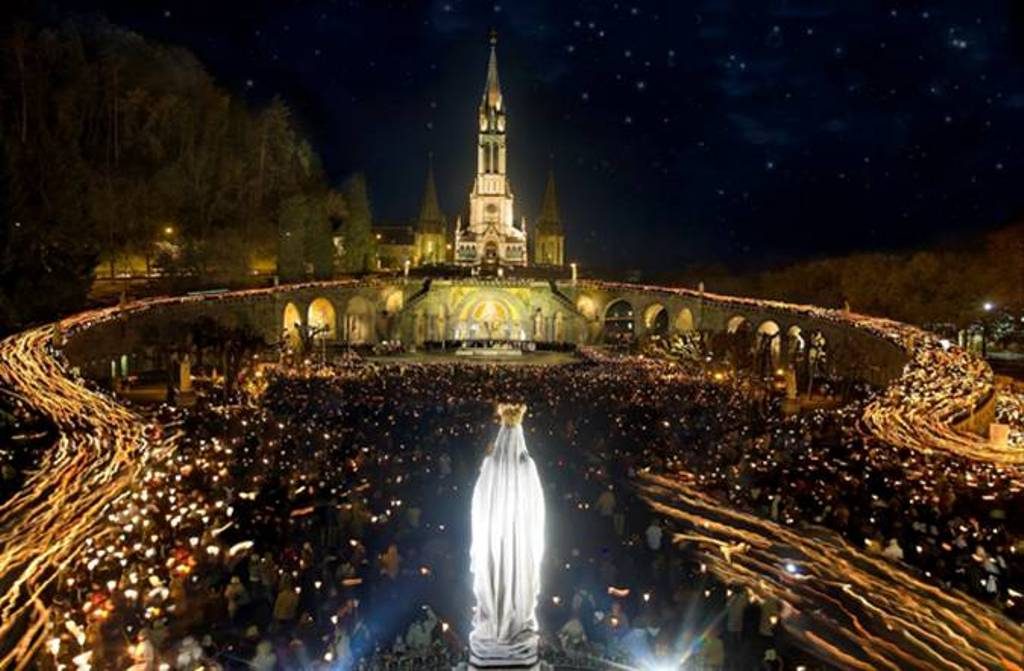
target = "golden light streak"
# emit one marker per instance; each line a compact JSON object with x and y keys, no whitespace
{"x":60,"y":515}
{"x":852,"y":609}
{"x":940,"y":385}
{"x":61,"y":511}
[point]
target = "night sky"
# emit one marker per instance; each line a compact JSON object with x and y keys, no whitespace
{"x":683,"y":131}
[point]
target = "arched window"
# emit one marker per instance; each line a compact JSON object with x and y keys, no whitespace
{"x":322,"y":320}
{"x":619,"y":319}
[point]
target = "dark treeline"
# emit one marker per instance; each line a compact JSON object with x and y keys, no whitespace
{"x":948,"y":284}
{"x":120,"y":155}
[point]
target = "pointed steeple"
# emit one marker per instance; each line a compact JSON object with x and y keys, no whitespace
{"x":549,"y":219}
{"x":492,"y":92}
{"x":431,"y":219}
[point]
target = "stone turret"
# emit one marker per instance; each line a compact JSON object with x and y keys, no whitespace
{"x":431,"y":226}
{"x":548,"y":234}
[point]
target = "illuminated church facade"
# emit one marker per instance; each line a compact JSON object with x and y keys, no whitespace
{"x":489,"y":234}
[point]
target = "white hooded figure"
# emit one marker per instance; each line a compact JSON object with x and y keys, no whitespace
{"x":507,"y":549}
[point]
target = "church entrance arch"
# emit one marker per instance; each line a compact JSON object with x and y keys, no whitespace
{"x":489,"y":315}
{"x":656,"y":319}
{"x":684,"y":321}
{"x":292,"y":323}
{"x":618,"y":320}
{"x":768,"y":347}
{"x":322,"y":320}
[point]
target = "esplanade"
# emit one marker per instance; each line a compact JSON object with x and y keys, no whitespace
{"x":913,"y":370}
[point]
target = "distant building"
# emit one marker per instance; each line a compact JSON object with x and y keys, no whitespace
{"x":548,"y":236}
{"x":396,"y":244}
{"x":489,"y":235}
{"x":431,"y":244}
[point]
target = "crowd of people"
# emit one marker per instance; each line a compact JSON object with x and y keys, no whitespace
{"x":324,"y":523}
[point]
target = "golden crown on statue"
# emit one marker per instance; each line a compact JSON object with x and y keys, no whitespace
{"x":511,"y":414}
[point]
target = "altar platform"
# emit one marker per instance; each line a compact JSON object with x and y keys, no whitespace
{"x":452,"y":356}
{"x":489,"y":352}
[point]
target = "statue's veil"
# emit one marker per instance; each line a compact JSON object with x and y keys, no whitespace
{"x":507,"y":549}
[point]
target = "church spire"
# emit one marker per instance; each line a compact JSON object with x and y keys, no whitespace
{"x":549,"y":218}
{"x":431,"y":217}
{"x":492,"y":92}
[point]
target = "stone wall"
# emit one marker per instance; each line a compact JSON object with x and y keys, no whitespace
{"x":924,"y":377}
{"x":416,"y":311}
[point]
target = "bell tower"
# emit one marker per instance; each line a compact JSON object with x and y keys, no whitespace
{"x":492,"y":236}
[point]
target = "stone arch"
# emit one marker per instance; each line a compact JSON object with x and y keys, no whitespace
{"x":795,"y":343}
{"x":322,"y":319}
{"x":490,"y":315}
{"x":816,"y":359}
{"x":394,"y":302}
{"x":768,"y":346}
{"x":618,"y":319}
{"x":683,"y":322}
{"x":358,"y":321}
{"x":656,"y":319}
{"x":737,"y":324}
{"x":291,"y":323}
{"x":737,"y":343}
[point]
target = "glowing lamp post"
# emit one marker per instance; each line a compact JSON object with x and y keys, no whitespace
{"x":405,"y":269}
{"x":987,"y":307}
{"x":575,"y":270}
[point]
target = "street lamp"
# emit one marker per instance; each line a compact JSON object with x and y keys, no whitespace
{"x":988,"y":307}
{"x":574,"y":271}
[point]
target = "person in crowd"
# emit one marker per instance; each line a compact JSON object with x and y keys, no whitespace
{"x":653,"y":534}
{"x":336,"y":502}
{"x":893,"y":551}
{"x":265,"y":658}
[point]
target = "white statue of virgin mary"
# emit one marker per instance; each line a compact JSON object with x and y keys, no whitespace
{"x":507,"y":548}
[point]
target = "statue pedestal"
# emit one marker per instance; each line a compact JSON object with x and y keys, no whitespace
{"x":521,"y":653}
{"x":536,"y":666}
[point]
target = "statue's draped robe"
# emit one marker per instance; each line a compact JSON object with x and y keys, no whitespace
{"x":506,"y":553}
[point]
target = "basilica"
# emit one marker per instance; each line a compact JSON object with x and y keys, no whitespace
{"x":491,"y":233}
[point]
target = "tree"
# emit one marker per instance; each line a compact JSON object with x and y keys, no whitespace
{"x":117,"y":149}
{"x":357,"y":234}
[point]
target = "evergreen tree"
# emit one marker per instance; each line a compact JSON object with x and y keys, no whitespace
{"x":124,"y":156}
{"x":359,"y":244}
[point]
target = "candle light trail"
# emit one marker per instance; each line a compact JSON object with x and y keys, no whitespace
{"x":63,"y":512}
{"x":924,"y":407}
{"x":852,"y":609}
